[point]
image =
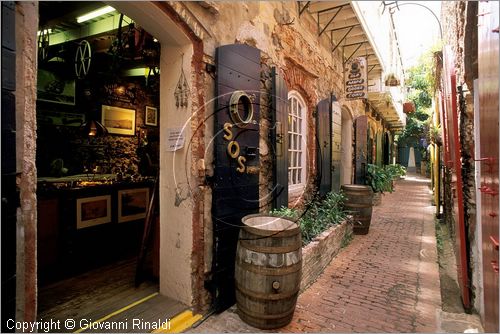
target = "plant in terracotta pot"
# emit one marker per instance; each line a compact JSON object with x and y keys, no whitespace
{"x":408,"y":107}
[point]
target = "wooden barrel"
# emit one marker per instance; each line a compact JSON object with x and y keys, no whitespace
{"x":359,"y":204}
{"x":268,"y":270}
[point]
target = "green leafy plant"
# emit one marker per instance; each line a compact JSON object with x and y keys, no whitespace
{"x":435,"y":134}
{"x":379,"y":179}
{"x":420,"y":82}
{"x":285,"y":212}
{"x":318,"y":215}
{"x":395,"y":171}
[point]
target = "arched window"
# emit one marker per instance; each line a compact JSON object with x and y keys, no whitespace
{"x":297,"y":139}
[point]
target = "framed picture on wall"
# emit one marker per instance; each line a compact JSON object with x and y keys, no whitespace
{"x":151,"y":116}
{"x":119,"y":121}
{"x":132,"y":204}
{"x":91,"y":211}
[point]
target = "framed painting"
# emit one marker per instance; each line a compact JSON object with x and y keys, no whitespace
{"x":132,"y":204}
{"x":119,"y":121}
{"x":151,"y":116}
{"x":91,"y":211}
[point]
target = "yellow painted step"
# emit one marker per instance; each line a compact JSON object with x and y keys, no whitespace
{"x":179,"y":323}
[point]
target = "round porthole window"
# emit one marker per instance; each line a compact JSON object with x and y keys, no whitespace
{"x":240,"y":108}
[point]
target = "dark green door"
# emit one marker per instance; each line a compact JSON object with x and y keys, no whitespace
{"x":279,"y":140}
{"x":324,"y":146}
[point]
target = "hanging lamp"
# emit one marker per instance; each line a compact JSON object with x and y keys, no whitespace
{"x":93,"y":128}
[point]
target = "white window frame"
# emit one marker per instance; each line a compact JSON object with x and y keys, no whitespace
{"x":301,"y":147}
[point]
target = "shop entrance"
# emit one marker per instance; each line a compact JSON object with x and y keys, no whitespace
{"x":98,"y":117}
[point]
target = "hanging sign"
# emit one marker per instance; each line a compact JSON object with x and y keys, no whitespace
{"x":355,"y":79}
{"x":175,"y":139}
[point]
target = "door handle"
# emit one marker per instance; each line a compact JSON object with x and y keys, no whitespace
{"x":494,"y":265}
{"x":494,"y":241}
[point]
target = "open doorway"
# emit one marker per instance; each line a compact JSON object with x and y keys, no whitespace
{"x":387,"y":148}
{"x":98,"y":139}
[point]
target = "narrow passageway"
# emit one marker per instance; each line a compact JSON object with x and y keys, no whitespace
{"x":385,"y":281}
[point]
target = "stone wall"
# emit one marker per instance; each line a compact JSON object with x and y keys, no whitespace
{"x":288,"y":43}
{"x":26,"y":62}
{"x":320,"y":252}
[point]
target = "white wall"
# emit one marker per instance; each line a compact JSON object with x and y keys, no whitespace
{"x":176,"y":206}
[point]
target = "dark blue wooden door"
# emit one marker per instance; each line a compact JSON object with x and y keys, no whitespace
{"x":279,"y":140}
{"x":236,"y":176}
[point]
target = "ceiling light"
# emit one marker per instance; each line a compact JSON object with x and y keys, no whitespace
{"x":44,"y":31}
{"x":94,"y":14}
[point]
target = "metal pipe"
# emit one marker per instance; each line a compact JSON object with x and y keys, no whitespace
{"x":430,"y":10}
{"x":353,"y":25}
{"x":331,"y":8}
{"x":338,"y":44}
{"x":352,"y":44}
{"x":329,"y":22}
{"x":301,"y":10}
{"x":352,"y":54}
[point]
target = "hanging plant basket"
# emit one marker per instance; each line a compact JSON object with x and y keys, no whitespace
{"x":391,"y":80}
{"x":408,"y":107}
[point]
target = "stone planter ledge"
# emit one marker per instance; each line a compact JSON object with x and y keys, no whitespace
{"x":318,"y":253}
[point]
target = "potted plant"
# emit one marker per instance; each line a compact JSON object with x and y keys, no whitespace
{"x":380,"y":180}
{"x":408,"y":107}
{"x":391,"y":80}
{"x":435,"y":134}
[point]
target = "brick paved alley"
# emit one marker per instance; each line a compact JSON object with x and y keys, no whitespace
{"x":386,"y":281}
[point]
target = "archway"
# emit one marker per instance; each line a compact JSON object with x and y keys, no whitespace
{"x":346,"y":170}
